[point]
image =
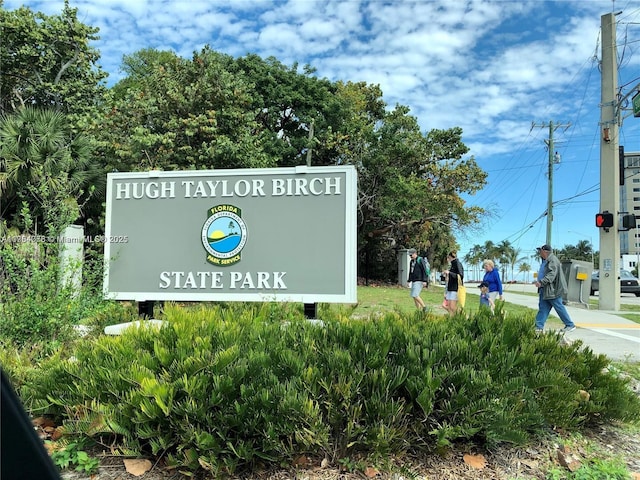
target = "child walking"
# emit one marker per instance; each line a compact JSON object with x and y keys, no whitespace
{"x":485,"y":299}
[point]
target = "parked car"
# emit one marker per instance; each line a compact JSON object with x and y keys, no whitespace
{"x":628,"y":283}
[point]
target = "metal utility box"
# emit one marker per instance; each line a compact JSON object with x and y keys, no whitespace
{"x":403,"y":266}
{"x":578,"y":276}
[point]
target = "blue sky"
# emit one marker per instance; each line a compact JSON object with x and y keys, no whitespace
{"x":500,"y":70}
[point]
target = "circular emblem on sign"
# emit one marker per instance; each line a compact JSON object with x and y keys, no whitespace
{"x":224,"y":235}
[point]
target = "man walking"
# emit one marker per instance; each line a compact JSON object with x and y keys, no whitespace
{"x":552,"y":286}
{"x":417,"y":278}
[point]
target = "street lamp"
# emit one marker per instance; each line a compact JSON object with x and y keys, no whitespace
{"x":590,"y":243}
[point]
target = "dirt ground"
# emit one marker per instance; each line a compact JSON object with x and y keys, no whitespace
{"x":465,"y":462}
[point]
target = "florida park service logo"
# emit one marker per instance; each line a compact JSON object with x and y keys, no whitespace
{"x":224,"y":235}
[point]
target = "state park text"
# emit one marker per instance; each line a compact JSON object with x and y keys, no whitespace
{"x":218,"y":280}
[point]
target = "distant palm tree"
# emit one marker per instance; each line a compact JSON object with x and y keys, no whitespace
{"x":507,"y":256}
{"x":525,"y":268}
{"x":513,"y":257}
{"x":585,"y":250}
{"x":474,"y":258}
{"x":491,"y":252}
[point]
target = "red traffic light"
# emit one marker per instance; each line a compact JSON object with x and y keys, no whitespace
{"x":604,"y":220}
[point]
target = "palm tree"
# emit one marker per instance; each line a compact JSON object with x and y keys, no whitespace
{"x":505,"y":253}
{"x":41,"y":159}
{"x":525,"y":268}
{"x":584,"y":250}
{"x":489,"y":251}
{"x":32,"y":147}
{"x":512,"y":257}
{"x":474,"y":258}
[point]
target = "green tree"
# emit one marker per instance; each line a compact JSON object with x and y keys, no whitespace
{"x":47,"y":61}
{"x":177,"y":114}
{"x":410,"y":184}
{"x":491,"y":251}
{"x":480,"y":253}
{"x":511,"y":257}
{"x":217,"y":112}
{"x":504,"y":253}
{"x":286,"y":103}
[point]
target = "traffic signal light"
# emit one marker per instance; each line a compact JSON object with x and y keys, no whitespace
{"x":604,"y":220}
{"x":628,"y":221}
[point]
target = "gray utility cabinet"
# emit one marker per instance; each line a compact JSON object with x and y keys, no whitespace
{"x":578,"y":276}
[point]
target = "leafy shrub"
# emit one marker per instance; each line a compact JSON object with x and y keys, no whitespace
{"x":35,"y":305}
{"x":22,"y":363}
{"x":33,"y":308}
{"x":109,"y":313}
{"x":593,"y":470}
{"x":229,"y":387}
{"x":73,"y":455}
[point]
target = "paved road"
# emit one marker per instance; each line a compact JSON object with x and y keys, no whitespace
{"x":604,"y":332}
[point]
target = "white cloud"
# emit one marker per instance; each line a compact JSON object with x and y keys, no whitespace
{"x":490,"y":67}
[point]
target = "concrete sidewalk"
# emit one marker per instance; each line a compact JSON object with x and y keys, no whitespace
{"x":603,"y":332}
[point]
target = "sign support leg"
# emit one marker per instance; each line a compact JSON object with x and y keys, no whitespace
{"x":145,"y":309}
{"x":311,"y":310}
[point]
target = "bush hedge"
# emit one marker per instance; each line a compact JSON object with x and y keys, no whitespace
{"x":230,"y":387}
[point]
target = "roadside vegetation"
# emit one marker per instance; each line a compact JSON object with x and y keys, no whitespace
{"x":229,"y":387}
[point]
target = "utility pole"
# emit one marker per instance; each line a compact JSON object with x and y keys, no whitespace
{"x":310,"y":309}
{"x":609,"y":171}
{"x":310,"y":148}
{"x":553,"y":159}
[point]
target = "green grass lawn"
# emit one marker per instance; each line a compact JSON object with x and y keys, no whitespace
{"x":389,"y":298}
{"x":628,"y":311}
{"x":631,"y":316}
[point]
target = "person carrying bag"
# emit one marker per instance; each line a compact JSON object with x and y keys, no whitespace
{"x":462,"y":293}
{"x":456,"y":292}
